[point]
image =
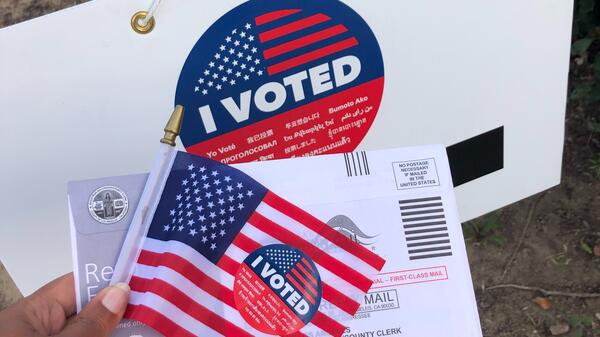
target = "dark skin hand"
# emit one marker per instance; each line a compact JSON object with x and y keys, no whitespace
{"x":50,"y":311}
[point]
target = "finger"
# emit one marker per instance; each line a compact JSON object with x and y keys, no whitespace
{"x":100,"y":317}
{"x":60,"y":291}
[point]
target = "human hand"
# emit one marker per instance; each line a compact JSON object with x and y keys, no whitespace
{"x":50,"y":312}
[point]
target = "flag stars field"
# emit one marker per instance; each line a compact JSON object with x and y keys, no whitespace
{"x":214,"y":195}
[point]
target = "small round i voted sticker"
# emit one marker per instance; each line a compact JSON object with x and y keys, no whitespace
{"x":277,"y":289}
{"x":278,"y":79}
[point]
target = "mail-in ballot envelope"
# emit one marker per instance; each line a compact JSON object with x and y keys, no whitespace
{"x":398,"y":203}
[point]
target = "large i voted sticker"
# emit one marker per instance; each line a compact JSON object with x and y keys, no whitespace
{"x":277,"y":289}
{"x":281,"y":78}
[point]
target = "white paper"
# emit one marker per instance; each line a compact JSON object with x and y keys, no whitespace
{"x":408,"y":293}
{"x":377,"y":198}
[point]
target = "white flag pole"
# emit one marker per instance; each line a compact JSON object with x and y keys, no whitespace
{"x":138,"y":229}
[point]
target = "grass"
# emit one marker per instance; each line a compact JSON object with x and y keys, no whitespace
{"x":595,"y":167}
{"x":485,"y":229}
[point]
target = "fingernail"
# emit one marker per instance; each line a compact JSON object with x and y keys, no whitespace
{"x":116,"y":298}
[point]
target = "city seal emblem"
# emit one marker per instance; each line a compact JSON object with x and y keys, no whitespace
{"x":108,"y":204}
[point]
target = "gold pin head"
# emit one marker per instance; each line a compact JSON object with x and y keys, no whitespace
{"x":137,"y":23}
{"x":173,"y":126}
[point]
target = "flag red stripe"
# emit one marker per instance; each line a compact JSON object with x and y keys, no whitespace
{"x":304,"y":41}
{"x":338,"y":299}
{"x":329,"y":325}
{"x":301,"y":289}
{"x":245,"y":243}
{"x":293,"y":27}
{"x":324,"y":230}
{"x":307,"y":274}
{"x":272,"y":16}
{"x":348,"y":274}
{"x":158,"y":322}
{"x":307,"y":265}
{"x":311,"y":56}
{"x":304,"y":281}
{"x":187,"y":305}
{"x":189,"y":271}
{"x":228,"y":264}
{"x":296,"y":334}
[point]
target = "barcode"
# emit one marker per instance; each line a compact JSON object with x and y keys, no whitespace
{"x":357,"y":164}
{"x":425,"y":228}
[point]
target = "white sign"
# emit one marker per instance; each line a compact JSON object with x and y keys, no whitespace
{"x":82,"y":95}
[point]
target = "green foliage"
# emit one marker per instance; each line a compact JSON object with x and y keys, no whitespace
{"x":580,"y":324}
{"x":595,"y":167}
{"x":485,"y":228}
{"x":586,"y":247}
{"x":584,"y":20}
{"x":581,"y":46}
{"x":586,"y":32}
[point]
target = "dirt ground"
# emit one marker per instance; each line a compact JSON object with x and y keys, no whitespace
{"x":545,"y":241}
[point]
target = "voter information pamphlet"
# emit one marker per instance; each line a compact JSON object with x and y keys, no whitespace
{"x":399,"y":203}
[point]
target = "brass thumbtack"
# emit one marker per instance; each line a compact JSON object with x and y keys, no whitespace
{"x":137,"y":23}
{"x":173,"y":126}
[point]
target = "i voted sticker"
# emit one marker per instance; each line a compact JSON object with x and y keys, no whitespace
{"x":277,"y":289}
{"x":278,"y":79}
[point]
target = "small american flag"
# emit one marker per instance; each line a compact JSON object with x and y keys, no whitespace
{"x":268,"y":46}
{"x":209,"y":219}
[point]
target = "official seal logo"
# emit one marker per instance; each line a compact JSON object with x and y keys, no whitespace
{"x":108,"y":204}
{"x":346,"y":226}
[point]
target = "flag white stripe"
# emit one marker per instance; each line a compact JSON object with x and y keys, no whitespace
{"x":311,"y":236}
{"x":192,"y":256}
{"x":328,"y":277}
{"x":312,"y":330}
{"x":197,"y":294}
{"x":167,"y":309}
{"x":236,"y":253}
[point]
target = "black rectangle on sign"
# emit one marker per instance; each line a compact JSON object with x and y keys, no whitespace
{"x":477,"y":156}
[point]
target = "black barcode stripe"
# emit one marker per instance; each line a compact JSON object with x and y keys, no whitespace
{"x":435,"y":210}
{"x":419,"y":200}
{"x":432,"y":249}
{"x":402,"y":208}
{"x":427,"y":237}
{"x":427,"y":243}
{"x":357,"y":164}
{"x":366,"y":162}
{"x":428,"y":230}
{"x":347,"y":160}
{"x":425,"y":227}
{"x":424,"y":224}
{"x":418,"y":257}
{"x":431,"y":217}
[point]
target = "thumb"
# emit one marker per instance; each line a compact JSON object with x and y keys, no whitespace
{"x":100,"y":317}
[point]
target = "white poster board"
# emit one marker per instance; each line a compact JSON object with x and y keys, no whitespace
{"x":82,"y":95}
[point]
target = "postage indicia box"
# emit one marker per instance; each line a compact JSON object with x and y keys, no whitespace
{"x":398,"y":203}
